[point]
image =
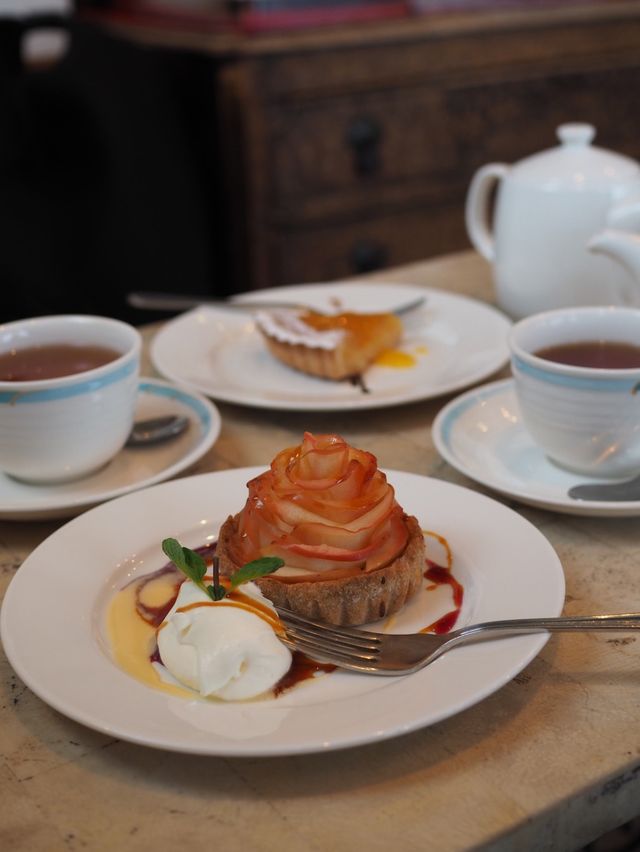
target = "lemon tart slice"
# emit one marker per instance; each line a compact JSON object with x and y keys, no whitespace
{"x":332,"y":347}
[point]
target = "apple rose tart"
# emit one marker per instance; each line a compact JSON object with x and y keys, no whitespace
{"x":351,"y":553}
{"x":331,"y":347}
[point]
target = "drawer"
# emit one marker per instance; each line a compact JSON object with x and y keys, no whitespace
{"x":464,"y":47}
{"x":325,"y":253}
{"x":367,"y":141}
{"x":487,"y":119}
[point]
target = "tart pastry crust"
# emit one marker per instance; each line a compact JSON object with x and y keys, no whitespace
{"x":351,"y":600}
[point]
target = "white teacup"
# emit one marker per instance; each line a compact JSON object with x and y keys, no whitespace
{"x":586,"y":419}
{"x":62,"y":428}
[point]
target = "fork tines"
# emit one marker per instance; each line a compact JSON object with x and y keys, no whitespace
{"x":320,"y":638}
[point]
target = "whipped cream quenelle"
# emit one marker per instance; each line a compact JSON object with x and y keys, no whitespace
{"x":225,"y":649}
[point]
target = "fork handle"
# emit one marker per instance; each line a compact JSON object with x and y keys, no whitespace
{"x":621,"y":621}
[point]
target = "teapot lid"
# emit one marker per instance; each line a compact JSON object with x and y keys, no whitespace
{"x":576,"y":164}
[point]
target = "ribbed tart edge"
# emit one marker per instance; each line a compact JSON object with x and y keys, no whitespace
{"x":324,"y":363}
{"x":348,"y":601}
{"x":347,"y":359}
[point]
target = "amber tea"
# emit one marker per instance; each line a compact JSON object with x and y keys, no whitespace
{"x":51,"y":361}
{"x":601,"y":354}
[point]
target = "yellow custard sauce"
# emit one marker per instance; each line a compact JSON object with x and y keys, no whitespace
{"x":396,"y":359}
{"x":137,"y":613}
{"x":132,"y":638}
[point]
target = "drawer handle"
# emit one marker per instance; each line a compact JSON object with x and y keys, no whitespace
{"x":364,"y":136}
{"x":367,"y":256}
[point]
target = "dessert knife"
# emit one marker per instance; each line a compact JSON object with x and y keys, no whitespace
{"x":177,"y":302}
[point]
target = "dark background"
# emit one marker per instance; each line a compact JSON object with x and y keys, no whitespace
{"x":109,"y":175}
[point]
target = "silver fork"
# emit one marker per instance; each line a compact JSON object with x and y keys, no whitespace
{"x":398,"y":654}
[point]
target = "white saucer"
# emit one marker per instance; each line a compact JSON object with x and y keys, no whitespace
{"x":481,"y":434}
{"x":131,"y":469}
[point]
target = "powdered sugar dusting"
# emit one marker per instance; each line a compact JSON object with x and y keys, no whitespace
{"x":288,"y":326}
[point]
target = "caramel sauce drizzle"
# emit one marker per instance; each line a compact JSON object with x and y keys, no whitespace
{"x":302,"y":667}
{"x":440,"y":575}
{"x":443,"y":541}
{"x":241,"y":602}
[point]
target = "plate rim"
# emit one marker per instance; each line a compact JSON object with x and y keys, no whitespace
{"x":45,"y":509}
{"x":441,"y":429}
{"x":529,"y":649}
{"x":357,"y":403}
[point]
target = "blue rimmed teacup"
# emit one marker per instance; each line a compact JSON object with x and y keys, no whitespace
{"x":585,"y":418}
{"x":61,"y":428}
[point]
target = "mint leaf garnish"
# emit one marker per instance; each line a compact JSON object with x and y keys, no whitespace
{"x":188,"y":561}
{"x":257,"y":568}
{"x":194,"y":567}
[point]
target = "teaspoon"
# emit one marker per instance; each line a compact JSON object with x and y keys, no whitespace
{"x":157,"y":429}
{"x":616,"y":491}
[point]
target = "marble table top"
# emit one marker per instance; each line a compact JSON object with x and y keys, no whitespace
{"x":550,"y":761}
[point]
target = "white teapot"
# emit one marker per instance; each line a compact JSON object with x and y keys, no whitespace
{"x":547,"y":207}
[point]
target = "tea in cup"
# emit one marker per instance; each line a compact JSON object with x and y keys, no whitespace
{"x":68,"y":388}
{"x":577,"y":380}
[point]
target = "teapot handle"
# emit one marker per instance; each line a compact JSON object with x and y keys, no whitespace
{"x":477,"y":208}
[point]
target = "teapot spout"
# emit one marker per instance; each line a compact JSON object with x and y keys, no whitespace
{"x":621,"y":247}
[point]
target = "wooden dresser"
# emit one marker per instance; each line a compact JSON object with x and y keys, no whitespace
{"x":350,"y":149}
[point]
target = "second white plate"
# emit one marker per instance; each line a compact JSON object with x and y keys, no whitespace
{"x":454,"y":342}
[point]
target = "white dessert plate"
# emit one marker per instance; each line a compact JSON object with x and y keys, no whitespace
{"x":481,"y":434}
{"x":507,"y":567}
{"x":131,"y":469}
{"x":454,"y":341}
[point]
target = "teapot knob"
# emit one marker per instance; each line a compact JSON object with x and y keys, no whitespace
{"x":576,"y":133}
